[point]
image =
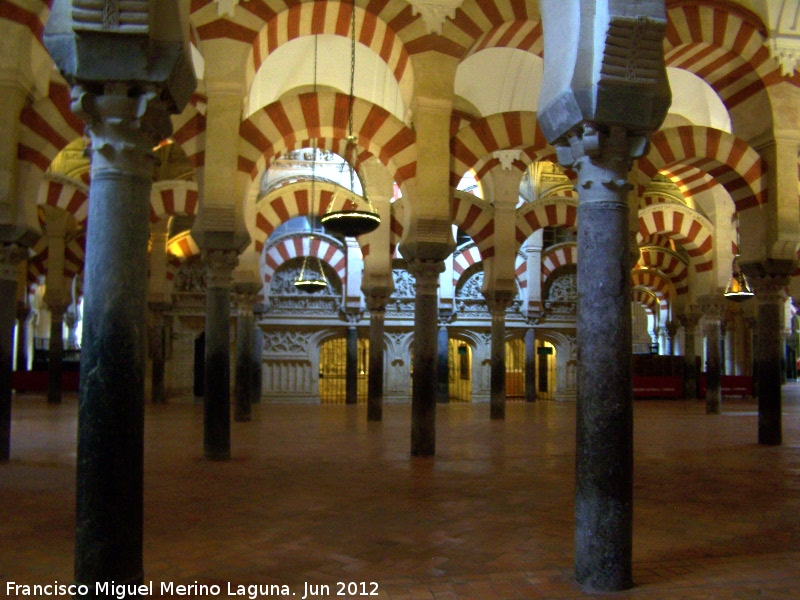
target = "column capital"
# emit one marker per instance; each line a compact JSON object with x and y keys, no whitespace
{"x":426,"y":273}
{"x":672,"y":328}
{"x":377,"y":298}
{"x":10,"y":257}
{"x":712,"y":307}
{"x":691,"y":318}
{"x":498,"y":300}
{"x":219,"y":266}
{"x":769,"y":288}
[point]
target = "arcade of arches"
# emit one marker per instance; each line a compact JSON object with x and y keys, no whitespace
{"x":475,"y":264}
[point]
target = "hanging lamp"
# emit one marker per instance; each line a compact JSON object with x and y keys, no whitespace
{"x":738,"y":289}
{"x":346,"y":214}
{"x":312,"y":276}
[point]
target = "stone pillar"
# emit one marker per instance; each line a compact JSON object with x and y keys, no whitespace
{"x":423,"y":396}
{"x":10,"y":257}
{"x":769,"y":290}
{"x":157,"y":345}
{"x":689,"y":321}
{"x":245,"y":346}
{"x":498,"y":301}
{"x":217,"y":416}
{"x":376,"y":303}
{"x":672,"y":331}
{"x":23,"y":318}
{"x":751,"y":345}
{"x":712,"y":328}
{"x":443,"y":363}
{"x":604,"y":459}
{"x":55,"y":354}
{"x":530,"y":365}
{"x":351,"y":365}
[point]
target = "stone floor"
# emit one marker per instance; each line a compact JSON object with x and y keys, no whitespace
{"x":315,"y":495}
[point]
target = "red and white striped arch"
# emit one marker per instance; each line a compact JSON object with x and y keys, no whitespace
{"x":296,"y":246}
{"x":74,"y":257}
{"x":669,"y":263}
{"x":656,"y":282}
{"x":463,"y":260}
{"x":476,"y":18}
{"x":398,"y":209}
{"x":555,"y":211}
{"x":727,"y":159}
{"x":476,"y":218}
{"x":647,"y":299}
{"x":331,"y":17}
{"x":180,"y":248}
{"x":557,"y":256}
{"x":282,"y":124}
{"x":47,"y":126}
{"x":518,"y":34}
{"x":724,"y":44}
{"x":566,"y":190}
{"x":189,"y":129}
{"x":521,"y":270}
{"x":289,"y":201}
{"x":31,"y":14}
{"x":502,"y":131}
{"x":67,"y":194}
{"x":172,"y":198}
{"x":683,"y":225}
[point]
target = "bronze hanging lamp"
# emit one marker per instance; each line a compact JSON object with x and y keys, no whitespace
{"x":347,"y":214}
{"x":738,"y":289}
{"x":312,"y":275}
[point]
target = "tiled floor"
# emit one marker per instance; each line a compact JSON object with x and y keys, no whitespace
{"x":316,"y":495}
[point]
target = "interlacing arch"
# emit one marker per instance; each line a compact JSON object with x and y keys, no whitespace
{"x":312,"y":18}
{"x":503,"y":131}
{"x":463,"y":260}
{"x":655,"y":282}
{"x":557,"y":256}
{"x":65,"y":193}
{"x":475,"y":18}
{"x":648,"y":300}
{"x":272,"y":130}
{"x":725,"y":46}
{"x":288,"y":201}
{"x":730,"y":161}
{"x":555,"y":211}
{"x":298,"y":245}
{"x":683,"y":225}
{"x":476,"y":218}
{"x":667,"y":262}
{"x":171,"y":198}
{"x":518,"y":34}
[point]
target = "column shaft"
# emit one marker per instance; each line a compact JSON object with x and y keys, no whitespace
{"x":443,"y":366}
{"x":768,"y":355}
{"x":497,"y":398}
{"x":713,"y":333}
{"x":244,"y":364}
{"x":530,"y":365}
{"x":55,"y":355}
{"x":23,"y":320}
{"x":375,"y":382}
{"x":604,"y":459}
{"x":351,"y":366}
{"x":9,"y":256}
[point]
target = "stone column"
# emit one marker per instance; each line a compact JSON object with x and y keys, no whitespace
{"x":23,"y":317}
{"x":443,"y":362}
{"x":245,"y":346}
{"x":770,"y":295}
{"x":376,"y":303}
{"x":351,"y":365}
{"x":689,"y":321}
{"x":751,"y":347}
{"x":604,"y":459}
{"x":530,"y":365}
{"x":55,"y":354}
{"x":712,"y":328}
{"x":217,"y":415}
{"x":10,"y":257}
{"x":498,"y":301}
{"x":672,"y":331}
{"x":423,"y":396}
{"x":156,"y":336}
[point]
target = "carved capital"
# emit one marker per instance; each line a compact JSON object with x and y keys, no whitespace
{"x":434,"y":12}
{"x":672,"y":328}
{"x":377,"y":299}
{"x":506,"y":158}
{"x":219,"y":267}
{"x":498,"y":301}
{"x":769,"y":288}
{"x":124,"y":123}
{"x":690,"y":319}
{"x":10,"y":257}
{"x":426,"y":273}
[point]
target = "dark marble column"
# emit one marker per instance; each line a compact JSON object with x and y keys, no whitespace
{"x":55,"y":354}
{"x":23,"y":318}
{"x":245,"y":346}
{"x":443,"y":363}
{"x":689,"y":321}
{"x":497,"y":302}
{"x":530,"y":365}
{"x":604,"y":459}
{"x":423,"y":395}
{"x":712,"y":328}
{"x":672,"y":330}
{"x":751,"y":347}
{"x":10,"y":257}
{"x":770,"y":296}
{"x":258,"y":351}
{"x":111,"y":409}
{"x":217,"y":404}
{"x":157,"y":346}
{"x":376,"y":302}
{"x":351,"y":365}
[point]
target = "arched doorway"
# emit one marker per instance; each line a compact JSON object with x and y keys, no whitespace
{"x":515,"y":369}
{"x":333,"y":370}
{"x":460,"y":370}
{"x":545,"y":370}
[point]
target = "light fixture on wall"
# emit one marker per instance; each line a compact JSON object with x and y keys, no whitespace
{"x":348,"y":214}
{"x":738,"y":289}
{"x":312,"y":275}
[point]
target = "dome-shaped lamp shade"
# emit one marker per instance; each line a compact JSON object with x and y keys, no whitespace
{"x":349,"y":216}
{"x":738,"y":289}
